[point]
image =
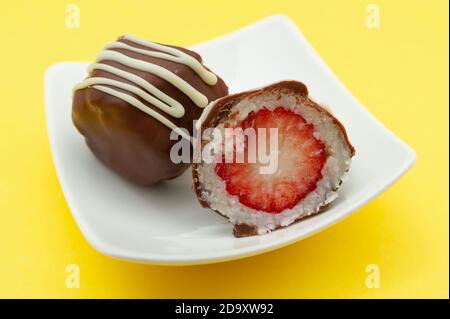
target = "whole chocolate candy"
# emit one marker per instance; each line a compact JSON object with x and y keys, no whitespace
{"x":136,"y":93}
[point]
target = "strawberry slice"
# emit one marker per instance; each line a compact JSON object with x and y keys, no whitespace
{"x":301,"y":157}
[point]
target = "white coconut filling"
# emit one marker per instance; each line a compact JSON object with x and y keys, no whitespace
{"x":337,"y":163}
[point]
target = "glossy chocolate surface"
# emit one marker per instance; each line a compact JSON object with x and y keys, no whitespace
{"x":129,"y":141}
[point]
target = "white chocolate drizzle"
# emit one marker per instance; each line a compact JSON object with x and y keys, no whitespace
{"x":143,"y":88}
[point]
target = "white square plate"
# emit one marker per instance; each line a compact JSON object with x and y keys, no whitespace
{"x":165,"y":224}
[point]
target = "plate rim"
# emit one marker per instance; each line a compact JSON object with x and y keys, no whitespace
{"x":243,"y":252}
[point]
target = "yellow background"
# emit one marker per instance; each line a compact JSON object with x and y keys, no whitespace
{"x":399,"y":72}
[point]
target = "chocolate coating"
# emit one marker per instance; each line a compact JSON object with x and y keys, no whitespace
{"x":129,"y":141}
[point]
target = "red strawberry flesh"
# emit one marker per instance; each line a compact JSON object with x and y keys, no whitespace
{"x":301,"y":157}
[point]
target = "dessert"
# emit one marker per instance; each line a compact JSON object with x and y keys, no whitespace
{"x":298,"y":178}
{"x":136,"y":94}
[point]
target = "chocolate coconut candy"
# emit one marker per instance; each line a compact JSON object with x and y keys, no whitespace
{"x":136,"y":93}
{"x":311,"y":158}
